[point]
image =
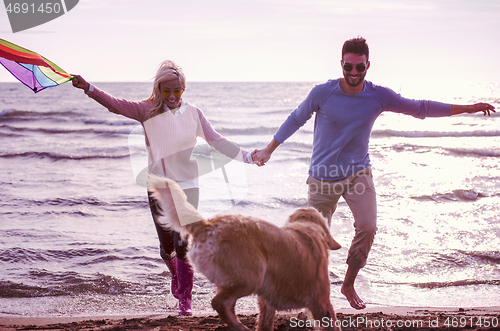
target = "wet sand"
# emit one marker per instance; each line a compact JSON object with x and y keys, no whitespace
{"x":375,"y":318}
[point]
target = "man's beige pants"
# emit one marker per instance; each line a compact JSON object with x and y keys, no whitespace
{"x":359,"y":192}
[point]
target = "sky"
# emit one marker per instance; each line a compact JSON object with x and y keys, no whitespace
{"x":435,"y":43}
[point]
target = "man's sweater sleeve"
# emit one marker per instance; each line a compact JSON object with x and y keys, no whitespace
{"x":391,"y":101}
{"x":299,"y":116}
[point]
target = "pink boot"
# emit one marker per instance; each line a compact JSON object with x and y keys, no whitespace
{"x":185,"y":276}
{"x":172,"y":266}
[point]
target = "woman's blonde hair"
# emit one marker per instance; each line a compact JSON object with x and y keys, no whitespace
{"x":168,"y":70}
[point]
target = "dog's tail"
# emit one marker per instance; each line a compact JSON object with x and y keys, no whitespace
{"x":176,"y":211}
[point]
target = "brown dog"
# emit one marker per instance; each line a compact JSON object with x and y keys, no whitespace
{"x":286,"y":267}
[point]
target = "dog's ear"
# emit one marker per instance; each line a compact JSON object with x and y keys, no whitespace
{"x":307,"y":214}
{"x":332,"y":243}
{"x":313,"y":216}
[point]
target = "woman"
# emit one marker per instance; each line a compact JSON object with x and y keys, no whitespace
{"x":171,"y":127}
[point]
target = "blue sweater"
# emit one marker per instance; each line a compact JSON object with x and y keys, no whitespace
{"x":344,"y":122}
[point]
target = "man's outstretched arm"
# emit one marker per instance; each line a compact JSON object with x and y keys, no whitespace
{"x":486,"y":108}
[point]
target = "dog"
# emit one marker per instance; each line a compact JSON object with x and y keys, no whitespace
{"x":287,"y":267}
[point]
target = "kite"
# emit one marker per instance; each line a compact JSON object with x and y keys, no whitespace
{"x":30,"y":68}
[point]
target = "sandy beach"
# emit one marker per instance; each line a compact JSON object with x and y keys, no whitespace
{"x":376,"y":318}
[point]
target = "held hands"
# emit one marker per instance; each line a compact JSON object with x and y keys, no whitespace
{"x":260,"y":157}
{"x":81,"y":83}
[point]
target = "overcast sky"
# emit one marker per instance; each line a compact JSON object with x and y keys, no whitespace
{"x":435,"y":42}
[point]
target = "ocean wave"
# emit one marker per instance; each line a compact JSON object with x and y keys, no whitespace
{"x":15,"y":114}
{"x":110,"y":122}
{"x":90,"y":255}
{"x":132,"y":202}
{"x":273,"y":203}
{"x":9,"y":289}
{"x":280,"y":111}
{"x":9,"y":135}
{"x":409,"y":147}
{"x":76,"y":275}
{"x":69,"y":283}
{"x":38,"y":235}
{"x":55,"y":130}
{"x":451,"y":261}
{"x":433,"y":134}
{"x":45,"y":130}
{"x":298,"y":146}
{"x":70,"y":202}
{"x":292,"y":202}
{"x":90,"y":201}
{"x":25,"y":255}
{"x":455,"y":195}
{"x":460,"y":152}
{"x":473,"y":152}
{"x":248,"y":131}
{"x":465,"y":282}
{"x":118,"y":256}
{"x":279,"y":203}
{"x":488,"y":257}
{"x":56,"y":156}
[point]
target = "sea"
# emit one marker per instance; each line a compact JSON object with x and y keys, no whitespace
{"x":77,"y":237}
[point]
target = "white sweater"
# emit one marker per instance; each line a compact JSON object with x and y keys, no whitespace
{"x":170,"y":139}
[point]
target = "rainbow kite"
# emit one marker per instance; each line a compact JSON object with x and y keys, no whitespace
{"x":30,"y":68}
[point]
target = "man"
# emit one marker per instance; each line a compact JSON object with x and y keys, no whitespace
{"x":345,"y":111}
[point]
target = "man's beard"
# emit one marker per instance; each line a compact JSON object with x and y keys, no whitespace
{"x":360,"y":78}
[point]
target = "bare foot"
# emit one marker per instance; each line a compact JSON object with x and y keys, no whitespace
{"x":353,"y":298}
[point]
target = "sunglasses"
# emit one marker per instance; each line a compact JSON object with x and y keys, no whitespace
{"x":167,"y":93}
{"x":360,"y":67}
